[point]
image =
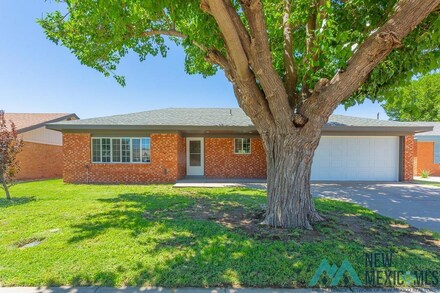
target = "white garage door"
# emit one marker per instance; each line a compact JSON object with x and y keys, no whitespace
{"x":345,"y":158}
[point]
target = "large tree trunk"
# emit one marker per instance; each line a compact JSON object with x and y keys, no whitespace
{"x":289,"y":163}
{"x":290,"y":121}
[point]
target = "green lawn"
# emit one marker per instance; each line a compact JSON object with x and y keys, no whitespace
{"x":426,"y":182}
{"x":157,"y":235}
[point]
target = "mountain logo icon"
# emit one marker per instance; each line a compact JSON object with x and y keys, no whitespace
{"x":335,"y":274}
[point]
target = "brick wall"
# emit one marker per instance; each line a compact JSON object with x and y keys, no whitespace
{"x":415,"y":173}
{"x":166,"y":162}
{"x":181,"y":157}
{"x":40,"y":161}
{"x":408,"y":158}
{"x":424,"y":159}
{"x":220,"y":160}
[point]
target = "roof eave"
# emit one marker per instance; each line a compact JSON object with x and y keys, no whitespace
{"x":363,"y":129}
{"x":375,"y":129}
{"x":35,"y":126}
{"x":62,"y":127}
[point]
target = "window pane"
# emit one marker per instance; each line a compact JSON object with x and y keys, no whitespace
{"x":436,"y":152}
{"x":195,"y":160}
{"x":106,"y":149}
{"x":125,"y":149}
{"x":136,"y":150}
{"x":242,"y":145}
{"x":246,"y":145}
{"x":238,"y":148}
{"x":146,"y":150}
{"x":195,"y":147}
{"x":96,"y":150}
{"x":116,"y":150}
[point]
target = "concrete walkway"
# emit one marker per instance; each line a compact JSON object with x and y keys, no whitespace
{"x":196,"y":290}
{"x":224,"y":182}
{"x":433,"y":179}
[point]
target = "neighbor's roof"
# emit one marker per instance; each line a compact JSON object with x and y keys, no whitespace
{"x":434,"y":132}
{"x":215,"y":119}
{"x":28,"y":121}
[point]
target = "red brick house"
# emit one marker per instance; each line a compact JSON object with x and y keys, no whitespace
{"x":170,"y":144}
{"x":42,"y":154}
{"x":427,"y":150}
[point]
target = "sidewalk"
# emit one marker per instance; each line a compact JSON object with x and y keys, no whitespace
{"x":197,"y":290}
{"x":433,"y":179}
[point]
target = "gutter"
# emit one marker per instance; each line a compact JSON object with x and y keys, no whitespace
{"x":250,"y":128}
{"x":403,"y":129}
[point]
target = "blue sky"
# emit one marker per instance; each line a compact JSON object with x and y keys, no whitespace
{"x":38,"y":76}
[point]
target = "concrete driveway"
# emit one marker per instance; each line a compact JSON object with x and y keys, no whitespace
{"x":419,"y":205}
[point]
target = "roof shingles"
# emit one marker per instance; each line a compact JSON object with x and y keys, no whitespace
{"x":206,"y":117}
{"x":210,"y":117}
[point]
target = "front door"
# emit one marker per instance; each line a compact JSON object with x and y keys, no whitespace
{"x":195,"y":156}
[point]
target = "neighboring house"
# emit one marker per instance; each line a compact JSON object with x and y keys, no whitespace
{"x":427,"y":150}
{"x":42,"y":154}
{"x":170,"y":144}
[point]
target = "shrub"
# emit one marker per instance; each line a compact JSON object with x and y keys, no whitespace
{"x":425,"y":173}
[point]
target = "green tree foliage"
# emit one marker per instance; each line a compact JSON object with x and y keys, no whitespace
{"x":100,"y":33}
{"x":291,"y":63}
{"x":419,"y":100}
{"x":10,"y":146}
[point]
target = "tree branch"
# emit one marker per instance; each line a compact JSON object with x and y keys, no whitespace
{"x":212,"y":55}
{"x":251,"y":98}
{"x":408,"y":14}
{"x":290,"y":76}
{"x":240,"y":61}
{"x":170,"y":33}
{"x":253,"y":10}
{"x":261,"y":63}
{"x":310,"y":44}
{"x":242,"y":32}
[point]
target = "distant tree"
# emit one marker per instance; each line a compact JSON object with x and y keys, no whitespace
{"x":290,"y":63}
{"x":10,"y":146}
{"x":419,"y":100}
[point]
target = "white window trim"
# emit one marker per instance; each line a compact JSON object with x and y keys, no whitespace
{"x":100,"y":150}
{"x":120,"y":149}
{"x":110,"y":150}
{"x":250,"y":146}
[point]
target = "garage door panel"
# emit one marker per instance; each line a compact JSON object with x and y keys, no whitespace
{"x":347,"y":158}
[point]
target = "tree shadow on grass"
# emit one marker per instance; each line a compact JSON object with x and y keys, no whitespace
{"x":15,"y":201}
{"x":107,"y":279}
{"x":129,"y":211}
{"x":183,"y":248}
